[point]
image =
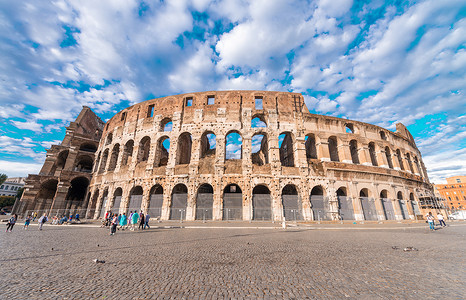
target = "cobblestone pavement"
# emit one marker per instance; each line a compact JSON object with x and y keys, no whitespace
{"x":219,"y":263}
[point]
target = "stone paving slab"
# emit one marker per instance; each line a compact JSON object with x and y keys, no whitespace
{"x":239,"y":263}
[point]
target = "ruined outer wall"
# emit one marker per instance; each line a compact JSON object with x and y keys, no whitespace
{"x":233,"y":111}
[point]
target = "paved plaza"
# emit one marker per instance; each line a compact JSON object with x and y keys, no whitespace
{"x":304,"y":262}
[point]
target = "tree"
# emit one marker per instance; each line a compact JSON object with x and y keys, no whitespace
{"x":3,"y":178}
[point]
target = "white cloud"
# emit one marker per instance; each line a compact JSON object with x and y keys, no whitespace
{"x":19,"y":169}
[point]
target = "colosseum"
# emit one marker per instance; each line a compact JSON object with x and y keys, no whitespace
{"x":238,"y":155}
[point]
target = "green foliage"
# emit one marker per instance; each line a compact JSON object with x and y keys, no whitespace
{"x":6,"y":201}
{"x":3,"y":178}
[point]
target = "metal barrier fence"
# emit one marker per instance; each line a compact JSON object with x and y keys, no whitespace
{"x":60,"y":213}
{"x":231,"y":214}
{"x":292,"y":214}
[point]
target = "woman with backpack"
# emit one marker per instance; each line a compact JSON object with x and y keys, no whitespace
{"x":11,"y":223}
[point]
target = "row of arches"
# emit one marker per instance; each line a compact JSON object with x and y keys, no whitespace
{"x":291,"y":205}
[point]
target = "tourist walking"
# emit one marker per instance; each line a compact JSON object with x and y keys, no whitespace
{"x":42,"y":221}
{"x":77,"y":218}
{"x":146,"y":221}
{"x":34,"y":214}
{"x":134,"y":220}
{"x":441,"y":220}
{"x":113,"y":228}
{"x":141,"y":221}
{"x":11,"y":223}
{"x":430,"y":220}
{"x":123,"y":221}
{"x":27,"y":222}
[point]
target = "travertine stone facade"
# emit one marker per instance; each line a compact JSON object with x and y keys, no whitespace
{"x":253,"y":155}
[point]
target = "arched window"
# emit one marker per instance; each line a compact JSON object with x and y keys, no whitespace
{"x":349,"y":128}
{"x":61,"y":159}
{"x":144,"y":149}
{"x":372,"y":154}
{"x":400,"y":159}
{"x":285,"y":142}
{"x":333,"y":148}
{"x":114,"y":157}
{"x":260,"y":149}
{"x":127,"y":153}
{"x":163,"y":149}
{"x":76,"y":193}
{"x":418,"y":167}
{"x":84,"y":163}
{"x":258,"y":121}
{"x":88,"y":147}
{"x":354,"y":151}
{"x":109,"y":139}
{"x":310,"y":144}
{"x":166,"y":125}
{"x":233,"y":146}
{"x":383,"y":136}
{"x":388,"y":154}
{"x":208,"y":144}
{"x":183,"y":153}
{"x":410,"y":163}
{"x":103,"y":162}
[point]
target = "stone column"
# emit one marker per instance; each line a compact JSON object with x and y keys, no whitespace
{"x":381,"y":157}
{"x":395,"y":162}
{"x":60,"y":195}
{"x":304,"y":193}
{"x":333,"y":201}
{"x":357,"y":206}
{"x":217,"y":205}
{"x":300,"y":157}
{"x":145,"y":201}
{"x":344,"y":152}
{"x":191,"y":202}
{"x":277,"y":205}
{"x":364,"y":156}
{"x":378,"y":204}
{"x":167,"y":200}
{"x":396,"y":205}
{"x":322,"y":149}
{"x":70,"y":160}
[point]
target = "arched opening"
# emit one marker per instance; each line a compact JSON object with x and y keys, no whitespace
{"x":333,"y":148}
{"x":61,"y":159}
{"x":383,"y":136}
{"x":403,"y":207}
{"x":155,"y":201}
{"x":320,"y":207}
{"x":232,"y":202}
{"x":310,"y":144}
{"x":387,"y":205}
{"x":400,"y":159}
{"x":372,"y":154}
{"x":349,"y":128}
{"x":258,"y":121}
{"x":345,"y":204}
{"x":233,"y":146}
{"x":414,"y":205}
{"x":88,"y":147}
{"x":76,"y":193}
{"x":103,"y":208}
{"x":114,"y":157}
{"x":260,"y":149}
{"x":204,"y":202}
{"x":410,"y":163}
{"x":354,"y":151}
{"x":135,"y":199}
{"x":261,"y":203}
{"x":368,"y":205}
{"x":166,"y":125}
{"x":93,"y":203}
{"x":208,"y":144}
{"x":163,"y":149}
{"x":179,"y":202}
{"x":97,"y":163}
{"x":127,"y":153}
{"x":109,"y":139}
{"x":84,"y":163}
{"x":292,"y":209}
{"x":103,"y":162}
{"x":285,"y":142}
{"x":418,"y":167}
{"x":388,"y":154}
{"x":46,"y":194}
{"x":115,"y":207}
{"x":183,"y":153}
{"x":144,"y":149}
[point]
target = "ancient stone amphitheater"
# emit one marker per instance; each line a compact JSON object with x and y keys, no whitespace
{"x":253,"y":155}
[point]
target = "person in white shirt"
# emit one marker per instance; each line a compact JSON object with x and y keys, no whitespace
{"x":441,"y":220}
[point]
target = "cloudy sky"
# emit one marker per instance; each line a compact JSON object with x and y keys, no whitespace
{"x":380,"y":62}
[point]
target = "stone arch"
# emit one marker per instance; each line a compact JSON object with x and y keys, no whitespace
{"x":310,"y":145}
{"x":77,"y":193}
{"x":400,"y":159}
{"x":372,"y":154}
{"x":179,"y":202}
{"x":333,"y":148}
{"x":383,"y":136}
{"x":260,"y":149}
{"x":46,"y":194}
{"x":286,"y":149}
{"x":368,"y":204}
{"x":261,"y":203}
{"x":103,"y":162}
{"x":155,"y":201}
{"x":416,"y":163}
{"x":233,"y":145}
{"x":292,"y":206}
{"x":61,"y":159}
{"x":166,"y":124}
{"x":258,"y":121}
{"x":319,"y":204}
{"x":114,"y":157}
{"x":232,"y":202}
{"x":88,"y":147}
{"x":345,"y":204}
{"x":204,"y":202}
{"x":402,"y":203}
{"x":387,"y":205}
{"x":144,"y":149}
{"x":116,"y":201}
{"x":208,"y":144}
{"x":410,"y":163}
{"x":84,"y":163}
{"x":349,"y":128}
{"x":184,"y":147}
{"x":109,"y":139}
{"x":162,"y":152}
{"x":135,"y":199}
{"x":388,"y":154}
{"x":127,"y":153}
{"x":354,"y":151}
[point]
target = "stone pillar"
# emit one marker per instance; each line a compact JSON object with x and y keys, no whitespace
{"x":396,"y":205}
{"x":218,"y":203}
{"x":378,"y":204}
{"x":70,"y":160}
{"x":333,"y":201}
{"x":277,"y":204}
{"x":145,"y":201}
{"x":167,"y":200}
{"x":60,"y":195}
{"x":322,"y":149}
{"x":191,"y":202}
{"x":357,"y":206}
{"x":381,"y":157}
{"x":247,"y":201}
{"x":125,"y":197}
{"x":300,"y":157}
{"x":364,"y":156}
{"x":304,"y":193}
{"x":344,"y":152}
{"x":246,"y":155}
{"x":395,"y":162}
{"x":220,"y":155}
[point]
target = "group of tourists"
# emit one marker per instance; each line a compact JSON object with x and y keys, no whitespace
{"x":12,"y":221}
{"x":122,"y":221}
{"x":431,"y":220}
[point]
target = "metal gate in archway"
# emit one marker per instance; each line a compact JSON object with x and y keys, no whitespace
{"x":232,"y":206}
{"x":345,"y":208}
{"x":135,"y":202}
{"x":103,"y":208}
{"x":388,"y":209}
{"x":368,"y":208}
{"x":204,"y":206}
{"x":291,"y":207}
{"x":178,"y":207}
{"x":261,"y":207}
{"x":155,"y":205}
{"x":116,"y":205}
{"x":404,"y":209}
{"x":320,"y":208}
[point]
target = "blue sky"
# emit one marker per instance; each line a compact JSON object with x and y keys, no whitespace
{"x":380,"y":62}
